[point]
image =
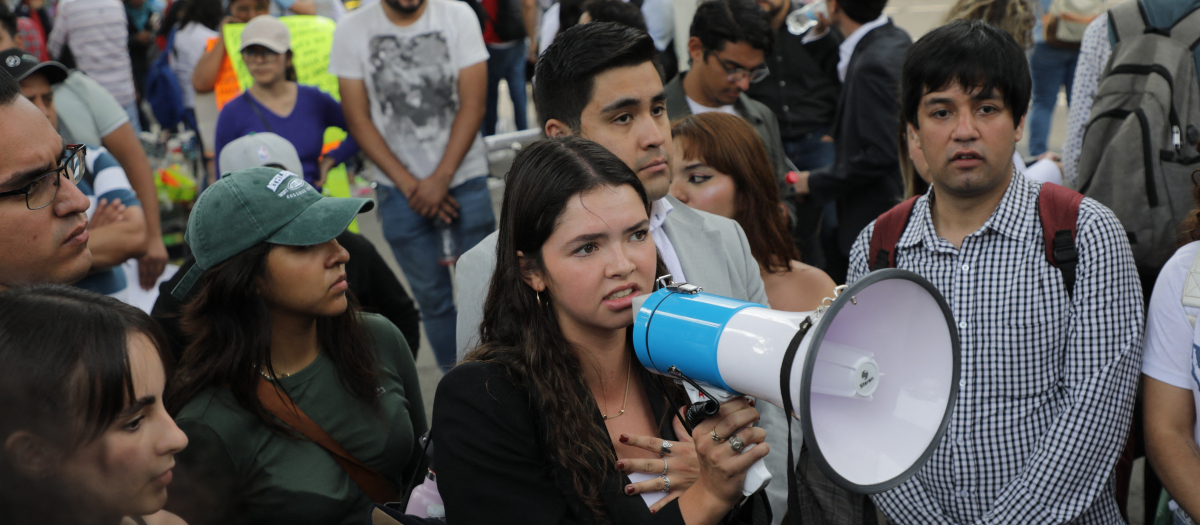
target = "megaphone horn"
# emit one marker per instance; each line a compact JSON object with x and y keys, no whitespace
{"x":872,"y":374}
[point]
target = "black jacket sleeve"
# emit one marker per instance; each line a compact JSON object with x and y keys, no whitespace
{"x":490,"y":464}
{"x":378,"y":290}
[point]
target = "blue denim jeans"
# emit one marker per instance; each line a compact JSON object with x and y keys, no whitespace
{"x":417,"y":248}
{"x":809,"y":152}
{"x":507,"y":63}
{"x":1052,"y":68}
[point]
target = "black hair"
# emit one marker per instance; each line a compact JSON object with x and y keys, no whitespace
{"x":520,"y":331}
{"x":207,"y":13}
{"x":64,"y":376}
{"x":973,"y":55}
{"x":8,"y":21}
{"x":565,"y":74}
{"x":9,"y":88}
{"x":617,"y":11}
{"x":862,"y":11}
{"x":720,"y":21}
{"x":568,"y":14}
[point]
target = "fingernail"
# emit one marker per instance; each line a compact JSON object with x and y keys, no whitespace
{"x":620,"y":465}
{"x":629,"y":490}
{"x":652,"y":511}
{"x":624,"y":438}
{"x":752,"y":401}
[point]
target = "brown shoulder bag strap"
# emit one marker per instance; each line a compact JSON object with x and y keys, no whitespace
{"x":277,"y":402}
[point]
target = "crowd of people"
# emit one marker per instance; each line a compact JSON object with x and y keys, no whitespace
{"x":275,"y":381}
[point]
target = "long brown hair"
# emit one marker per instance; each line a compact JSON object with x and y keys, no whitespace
{"x":230,"y":331}
{"x":520,"y":331}
{"x":1010,"y":16}
{"x":731,"y":146}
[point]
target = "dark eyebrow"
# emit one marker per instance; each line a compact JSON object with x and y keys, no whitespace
{"x":694,"y":166}
{"x":25,"y":177}
{"x":645,"y":223}
{"x":587,"y":237}
{"x":621,"y":103}
{"x":937,"y":101}
{"x":137,"y":406}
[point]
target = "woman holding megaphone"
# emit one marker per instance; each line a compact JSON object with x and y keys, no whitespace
{"x":530,"y":426}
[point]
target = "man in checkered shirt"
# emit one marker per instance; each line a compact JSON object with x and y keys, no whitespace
{"x":1048,"y":376}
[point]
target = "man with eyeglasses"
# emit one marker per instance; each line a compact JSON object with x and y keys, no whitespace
{"x":43,"y":226}
{"x":864,"y":180}
{"x":116,"y":220}
{"x":728,"y":46}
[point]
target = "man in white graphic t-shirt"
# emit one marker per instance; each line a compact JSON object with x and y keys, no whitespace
{"x":413,"y":80}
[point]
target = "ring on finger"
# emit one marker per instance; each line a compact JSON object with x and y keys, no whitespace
{"x":736,"y":444}
{"x":664,"y":472}
{"x":666,"y":483}
{"x":715,"y":437}
{"x":665,"y":447}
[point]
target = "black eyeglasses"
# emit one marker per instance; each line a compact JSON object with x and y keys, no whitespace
{"x":44,"y":188}
{"x":735,"y":73}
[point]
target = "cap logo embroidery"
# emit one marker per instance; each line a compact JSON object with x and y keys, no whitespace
{"x":295,"y":188}
{"x":12,"y":61}
{"x":263,"y":154}
{"x":279,"y":178}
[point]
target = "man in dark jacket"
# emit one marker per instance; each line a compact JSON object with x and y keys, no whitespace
{"x":864,"y":179}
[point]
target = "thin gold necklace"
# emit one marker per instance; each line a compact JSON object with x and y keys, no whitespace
{"x":626,"y":401}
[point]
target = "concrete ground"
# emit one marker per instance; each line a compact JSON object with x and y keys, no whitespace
{"x":915,"y":16}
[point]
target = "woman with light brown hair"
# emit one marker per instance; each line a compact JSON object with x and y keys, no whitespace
{"x":721,"y":167}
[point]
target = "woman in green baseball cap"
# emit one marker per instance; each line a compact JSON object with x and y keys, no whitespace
{"x":286,"y":388}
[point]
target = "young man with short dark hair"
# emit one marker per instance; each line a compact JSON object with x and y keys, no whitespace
{"x":600,"y":81}
{"x":1049,"y":369}
{"x":44,"y":238}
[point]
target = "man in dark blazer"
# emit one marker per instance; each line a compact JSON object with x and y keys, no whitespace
{"x":864,"y":180}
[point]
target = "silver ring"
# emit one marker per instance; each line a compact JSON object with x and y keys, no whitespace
{"x":737,"y":444}
{"x":664,"y":472}
{"x":665,"y":447}
{"x":666,"y":484}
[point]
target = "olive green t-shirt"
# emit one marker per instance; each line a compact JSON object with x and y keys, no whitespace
{"x":247,"y":473}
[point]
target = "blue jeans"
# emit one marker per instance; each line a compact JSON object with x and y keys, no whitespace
{"x":507,"y":63}
{"x":417,"y":248}
{"x":808,"y":152}
{"x":1052,"y":68}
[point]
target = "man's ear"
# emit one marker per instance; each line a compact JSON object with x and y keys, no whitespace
{"x":529,"y":273}
{"x":556,"y":129}
{"x":695,"y":49}
{"x":1020,"y":131}
{"x":31,"y":455}
{"x":914,"y":138}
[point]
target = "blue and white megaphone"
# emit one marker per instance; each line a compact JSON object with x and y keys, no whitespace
{"x":872,"y":374}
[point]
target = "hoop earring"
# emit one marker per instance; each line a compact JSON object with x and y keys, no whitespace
{"x":539,"y":297}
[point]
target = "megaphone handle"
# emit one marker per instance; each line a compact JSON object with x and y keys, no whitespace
{"x":757,"y":477}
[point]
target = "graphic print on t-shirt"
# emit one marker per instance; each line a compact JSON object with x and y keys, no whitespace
{"x":416,"y":87}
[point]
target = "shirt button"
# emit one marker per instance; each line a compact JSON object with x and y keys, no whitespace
{"x":785,"y":108}
{"x":959,"y":440}
{"x":962,"y":325}
{"x":962,"y":383}
{"x":782,"y":83}
{"x":965,"y":267}
{"x":964,"y":493}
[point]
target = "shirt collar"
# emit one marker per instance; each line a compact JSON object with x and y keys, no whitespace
{"x":846,"y":48}
{"x":659,"y":210}
{"x":1011,"y":218}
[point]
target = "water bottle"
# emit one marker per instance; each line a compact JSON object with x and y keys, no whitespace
{"x":424,"y":497}
{"x":805,"y":18}
{"x":448,"y":254}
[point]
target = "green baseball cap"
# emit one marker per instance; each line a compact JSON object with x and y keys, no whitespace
{"x":257,"y":205}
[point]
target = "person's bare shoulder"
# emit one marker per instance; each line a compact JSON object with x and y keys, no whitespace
{"x":799,"y":290}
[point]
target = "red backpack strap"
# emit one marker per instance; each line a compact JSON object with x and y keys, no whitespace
{"x":1058,"y":209}
{"x":888,"y":229}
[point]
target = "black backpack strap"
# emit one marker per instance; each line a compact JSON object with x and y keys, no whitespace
{"x":1058,"y":210}
{"x":888,"y":229}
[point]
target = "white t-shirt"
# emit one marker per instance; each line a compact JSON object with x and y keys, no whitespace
{"x":190,"y":42}
{"x":1171,"y":354}
{"x":698,"y":108}
{"x":411,"y":76}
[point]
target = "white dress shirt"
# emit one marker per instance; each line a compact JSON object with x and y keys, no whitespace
{"x":658,"y":214}
{"x":846,"y":49}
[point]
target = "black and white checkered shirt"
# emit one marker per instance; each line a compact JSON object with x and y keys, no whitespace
{"x":1047,"y":381}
